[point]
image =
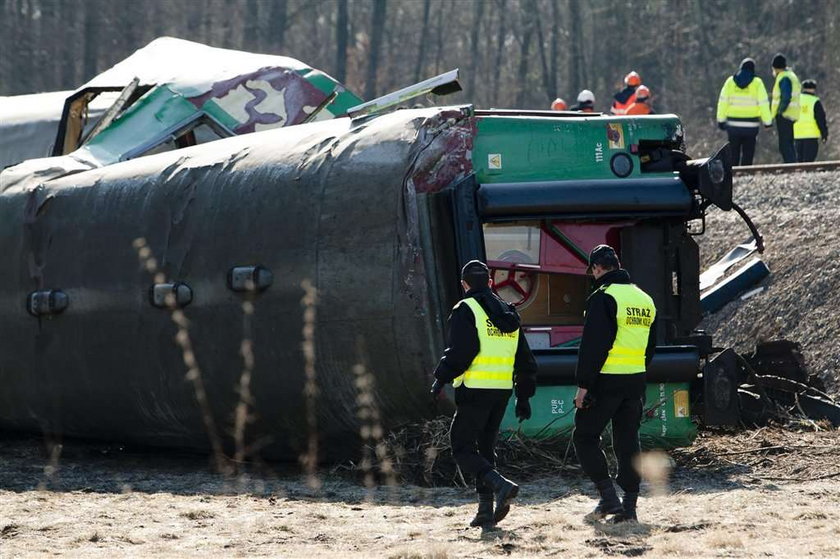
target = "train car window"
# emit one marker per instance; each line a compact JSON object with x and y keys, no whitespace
{"x":199,"y":130}
{"x":512,"y":243}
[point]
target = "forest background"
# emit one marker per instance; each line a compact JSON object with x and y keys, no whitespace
{"x":511,"y":53}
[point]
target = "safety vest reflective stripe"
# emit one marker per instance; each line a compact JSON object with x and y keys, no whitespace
{"x":743,"y":103}
{"x":493,"y":366}
{"x":792,"y":110}
{"x":806,"y":127}
{"x":633,"y":352}
{"x":743,"y":123}
{"x":635,"y":312}
{"x":493,"y":361}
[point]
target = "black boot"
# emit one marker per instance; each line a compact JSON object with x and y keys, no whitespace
{"x":628,"y":504}
{"x":484,"y":516}
{"x":609,"y":503}
{"x":504,"y":490}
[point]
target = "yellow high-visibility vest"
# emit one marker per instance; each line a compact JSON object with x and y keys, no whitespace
{"x":806,"y":127}
{"x":747,"y":103}
{"x":493,"y":366}
{"x":634,"y":315}
{"x":792,"y":110}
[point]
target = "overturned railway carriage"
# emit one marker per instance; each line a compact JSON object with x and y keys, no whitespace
{"x":379,"y":214}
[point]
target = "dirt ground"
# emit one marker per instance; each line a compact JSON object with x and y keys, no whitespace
{"x":764,"y":493}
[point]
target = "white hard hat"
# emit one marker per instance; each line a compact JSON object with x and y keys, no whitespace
{"x":586,"y":96}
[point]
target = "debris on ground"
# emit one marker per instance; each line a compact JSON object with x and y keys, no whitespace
{"x":778,"y":387}
{"x":422,"y":455}
{"x":770,"y":453}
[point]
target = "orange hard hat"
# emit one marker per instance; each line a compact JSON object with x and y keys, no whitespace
{"x":642,"y":92}
{"x":632,"y":79}
{"x":559,"y":105}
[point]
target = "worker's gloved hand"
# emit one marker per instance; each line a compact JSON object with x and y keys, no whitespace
{"x":523,"y":410}
{"x":825,"y":139}
{"x":722,"y":125}
{"x":437,"y":386}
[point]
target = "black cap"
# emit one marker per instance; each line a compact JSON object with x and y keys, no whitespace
{"x":603,"y":255}
{"x":748,"y":64}
{"x":779,"y":61}
{"x":474,"y":268}
{"x":809,"y":84}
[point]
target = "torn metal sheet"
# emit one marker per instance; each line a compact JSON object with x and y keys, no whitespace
{"x":748,"y":275}
{"x":28,"y":123}
{"x":717,"y":270}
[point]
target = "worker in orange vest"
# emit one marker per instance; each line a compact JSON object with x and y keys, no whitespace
{"x":559,"y":105}
{"x":642,"y":104}
{"x":626,"y":96}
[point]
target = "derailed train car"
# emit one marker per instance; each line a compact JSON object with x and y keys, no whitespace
{"x":379,"y":213}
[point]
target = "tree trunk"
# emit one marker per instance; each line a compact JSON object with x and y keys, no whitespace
{"x":501,"y":35}
{"x":278,"y":19}
{"x":524,"y":56}
{"x":546,"y":79}
{"x":90,"y":56}
{"x":341,"y":42}
{"x":555,"y":32}
{"x":251,"y":38}
{"x":424,"y":34}
{"x":575,"y":50}
{"x":440,"y":40}
{"x":476,"y":27}
{"x":377,"y":30}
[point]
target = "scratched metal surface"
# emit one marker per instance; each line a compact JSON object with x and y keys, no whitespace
{"x":333,"y":202}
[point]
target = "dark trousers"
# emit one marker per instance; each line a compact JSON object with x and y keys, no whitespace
{"x":474,"y":431}
{"x":624,"y":410}
{"x":807,"y":149}
{"x":742,"y":142}
{"x":784,"y":128}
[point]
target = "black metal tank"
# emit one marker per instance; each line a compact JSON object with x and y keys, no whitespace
{"x":326,"y":202}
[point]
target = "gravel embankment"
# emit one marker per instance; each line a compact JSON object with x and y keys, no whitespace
{"x":798,"y":215}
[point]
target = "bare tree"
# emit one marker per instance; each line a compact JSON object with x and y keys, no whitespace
{"x":524,"y":57}
{"x":377,"y":30}
{"x":474,"y":36}
{"x":278,"y":19}
{"x":341,"y":41}
{"x":424,"y":37}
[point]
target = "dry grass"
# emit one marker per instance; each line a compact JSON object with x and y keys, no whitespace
{"x":178,"y":508}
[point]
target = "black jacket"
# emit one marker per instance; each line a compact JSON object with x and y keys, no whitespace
{"x":599,"y":333}
{"x":463,"y":346}
{"x":624,"y":95}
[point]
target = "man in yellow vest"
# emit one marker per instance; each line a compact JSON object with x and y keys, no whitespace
{"x":785,"y":106}
{"x":618,"y":341}
{"x":741,"y":110}
{"x":486,"y":359}
{"x":811,"y":125}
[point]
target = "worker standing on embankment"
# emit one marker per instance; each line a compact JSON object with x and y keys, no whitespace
{"x":811,"y":125}
{"x":487,"y":357}
{"x":616,"y":347}
{"x":785,"y":106}
{"x":741,"y":110}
